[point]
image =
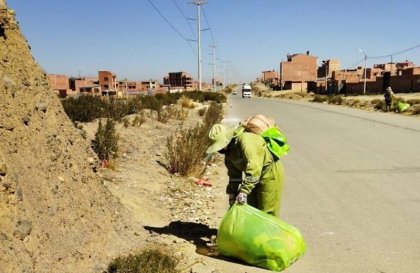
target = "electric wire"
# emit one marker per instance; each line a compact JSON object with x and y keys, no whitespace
{"x":169,"y":23}
{"x":395,"y":53}
{"x":208,"y":25}
{"x":353,"y":65}
{"x":186,"y":18}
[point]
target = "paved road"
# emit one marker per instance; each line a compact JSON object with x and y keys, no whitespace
{"x":352,"y":185}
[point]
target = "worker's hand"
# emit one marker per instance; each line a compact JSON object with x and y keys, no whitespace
{"x":231,"y":199}
{"x":241,"y":198}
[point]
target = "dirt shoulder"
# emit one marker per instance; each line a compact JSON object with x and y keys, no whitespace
{"x":177,"y":212}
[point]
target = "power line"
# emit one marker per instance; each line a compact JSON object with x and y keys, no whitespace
{"x":186,"y":18}
{"x":395,"y":53}
{"x":353,"y":65}
{"x":208,"y":25}
{"x":169,"y":23}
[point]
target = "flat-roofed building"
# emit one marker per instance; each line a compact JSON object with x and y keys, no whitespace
{"x":60,"y":84}
{"x":299,"y":72}
{"x":108,"y":82}
{"x":85,"y":85}
{"x":270,"y":76}
{"x":179,"y":79}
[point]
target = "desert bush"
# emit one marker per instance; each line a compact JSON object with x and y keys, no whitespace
{"x":378,"y":104}
{"x":338,"y":100}
{"x":186,"y":102}
{"x":117,"y":109}
{"x":178,"y":113}
{"x":320,"y":98}
{"x":413,"y":101}
{"x":85,"y":108}
{"x":186,"y":149}
{"x":416,"y":110}
{"x":139,"y":119}
{"x":105,"y":143}
{"x":88,"y":108}
{"x":353,"y":102}
{"x":153,"y":260}
{"x":213,"y":115}
{"x":202,"y":111}
{"x":126,"y":122}
{"x":163,"y":114}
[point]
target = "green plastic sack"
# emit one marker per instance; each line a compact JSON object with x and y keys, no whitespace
{"x":402,"y":106}
{"x":276,"y":142}
{"x":259,"y":239}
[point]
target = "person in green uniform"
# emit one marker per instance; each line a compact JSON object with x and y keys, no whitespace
{"x":255,"y":177}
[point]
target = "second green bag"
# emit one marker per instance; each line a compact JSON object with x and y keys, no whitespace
{"x":259,"y":239}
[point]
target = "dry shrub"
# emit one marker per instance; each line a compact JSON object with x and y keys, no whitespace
{"x":105,"y":143}
{"x":186,"y":149}
{"x":202,"y":111}
{"x":416,"y":110}
{"x":139,"y":119}
{"x":186,"y":102}
{"x":320,"y":98}
{"x":151,"y":260}
{"x":413,"y":101}
{"x":353,"y":102}
{"x":178,"y":114}
{"x":125,"y":122}
{"x":338,"y":100}
{"x":163,"y":114}
{"x":378,"y":104}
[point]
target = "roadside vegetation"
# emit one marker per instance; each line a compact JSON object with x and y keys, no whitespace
{"x":187,"y":148}
{"x":163,"y":107}
{"x":362,"y":102}
{"x":150,"y":260}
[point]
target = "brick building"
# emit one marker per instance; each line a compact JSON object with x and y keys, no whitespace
{"x":325,"y":72}
{"x":270,"y":77}
{"x":60,"y":84}
{"x":401,"y":77}
{"x":108,"y":82}
{"x":299,"y":72}
{"x":84,"y":85}
{"x":179,"y":80}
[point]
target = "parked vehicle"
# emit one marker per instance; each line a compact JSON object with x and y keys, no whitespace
{"x":246,"y":91}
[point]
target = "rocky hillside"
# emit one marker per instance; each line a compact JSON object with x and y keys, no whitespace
{"x":55,"y":213}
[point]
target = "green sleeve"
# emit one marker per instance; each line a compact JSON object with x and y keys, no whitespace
{"x":235,"y":178}
{"x":253,"y":150}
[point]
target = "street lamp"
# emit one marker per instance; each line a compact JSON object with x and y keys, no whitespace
{"x":326,"y":64}
{"x":364,"y":83}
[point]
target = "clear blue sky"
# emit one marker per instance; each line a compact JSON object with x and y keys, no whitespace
{"x":130,"y":38}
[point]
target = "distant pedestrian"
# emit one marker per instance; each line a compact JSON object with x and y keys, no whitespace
{"x":389,"y":95}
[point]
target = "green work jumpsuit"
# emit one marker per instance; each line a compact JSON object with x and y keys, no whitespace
{"x":263,"y":177}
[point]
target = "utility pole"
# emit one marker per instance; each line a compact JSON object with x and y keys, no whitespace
{"x":364,"y":83}
{"x":199,"y":3}
{"x":214,"y":67}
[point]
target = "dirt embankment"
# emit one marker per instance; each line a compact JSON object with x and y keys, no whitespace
{"x":55,"y":213}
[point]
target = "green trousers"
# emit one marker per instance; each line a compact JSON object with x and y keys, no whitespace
{"x":266,"y":196}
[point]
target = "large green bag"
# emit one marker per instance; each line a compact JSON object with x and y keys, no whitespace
{"x":402,"y":106}
{"x":258,"y":238}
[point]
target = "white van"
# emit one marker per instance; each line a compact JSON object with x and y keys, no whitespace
{"x":246,"y":91}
